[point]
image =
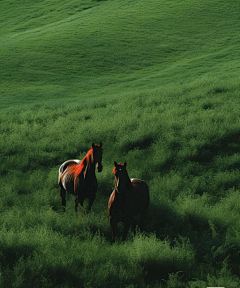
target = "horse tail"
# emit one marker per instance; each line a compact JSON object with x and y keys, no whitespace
{"x":64,"y":166}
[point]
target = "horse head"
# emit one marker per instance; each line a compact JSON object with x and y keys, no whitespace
{"x":122,"y":180}
{"x":97,"y":156}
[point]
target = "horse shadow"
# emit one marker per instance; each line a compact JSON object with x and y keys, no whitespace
{"x":207,"y":238}
{"x":162,"y":220}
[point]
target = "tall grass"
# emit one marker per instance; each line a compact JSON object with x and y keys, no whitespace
{"x":191,"y":170}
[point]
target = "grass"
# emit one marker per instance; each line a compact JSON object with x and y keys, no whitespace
{"x":158,"y":84}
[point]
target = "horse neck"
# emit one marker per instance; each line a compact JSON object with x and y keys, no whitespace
{"x":128,"y":181}
{"x":89,"y":166}
{"x":127,"y":186}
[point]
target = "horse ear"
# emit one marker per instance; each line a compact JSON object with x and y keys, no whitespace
{"x":93,"y":145}
{"x":100,"y":145}
{"x":115,"y":163}
{"x":125,"y":164}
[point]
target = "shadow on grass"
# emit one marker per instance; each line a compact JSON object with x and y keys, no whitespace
{"x":208,"y":239}
{"x":140,"y":144}
{"x":11,"y":254}
{"x":161,"y":220}
{"x":225,"y":146}
{"x":61,"y":276}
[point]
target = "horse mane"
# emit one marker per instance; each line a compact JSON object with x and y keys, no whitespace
{"x":78,"y":168}
{"x":114,"y":171}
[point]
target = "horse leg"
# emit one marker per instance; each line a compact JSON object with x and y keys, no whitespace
{"x":91,"y":200}
{"x":76,"y":204}
{"x":113,"y":224}
{"x":63,"y":196}
{"x":125,"y":229}
{"x":134,"y":224}
{"x":142,"y":219}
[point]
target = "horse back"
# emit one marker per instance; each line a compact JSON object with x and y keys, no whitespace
{"x":64,"y":166}
{"x":67,"y":179}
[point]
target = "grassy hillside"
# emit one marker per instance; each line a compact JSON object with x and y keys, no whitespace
{"x":158,"y":84}
{"x":78,"y":46}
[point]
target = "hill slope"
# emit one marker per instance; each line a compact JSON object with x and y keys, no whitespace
{"x":88,"y":45}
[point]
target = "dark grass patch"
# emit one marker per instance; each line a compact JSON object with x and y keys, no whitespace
{"x":10,"y":255}
{"x":219,"y":90}
{"x":87,"y":117}
{"x":233,"y":166}
{"x":155,"y":270}
{"x":23,"y":191}
{"x":163,"y":221}
{"x":140,"y":144}
{"x":168,"y":165}
{"x":60,"y":275}
{"x":174,"y":146}
{"x":10,"y":202}
{"x":208,"y":106}
{"x":3,"y":171}
{"x":227,"y":145}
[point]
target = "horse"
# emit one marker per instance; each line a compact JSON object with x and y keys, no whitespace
{"x":129,"y":198}
{"x":78,"y":177}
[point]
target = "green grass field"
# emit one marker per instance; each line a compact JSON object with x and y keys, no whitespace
{"x":157,"y":82}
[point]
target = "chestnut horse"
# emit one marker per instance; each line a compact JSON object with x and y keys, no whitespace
{"x":129,"y":198}
{"x":78,"y":177}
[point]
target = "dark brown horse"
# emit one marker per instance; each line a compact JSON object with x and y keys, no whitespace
{"x":129,"y":198}
{"x":78,"y":177}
